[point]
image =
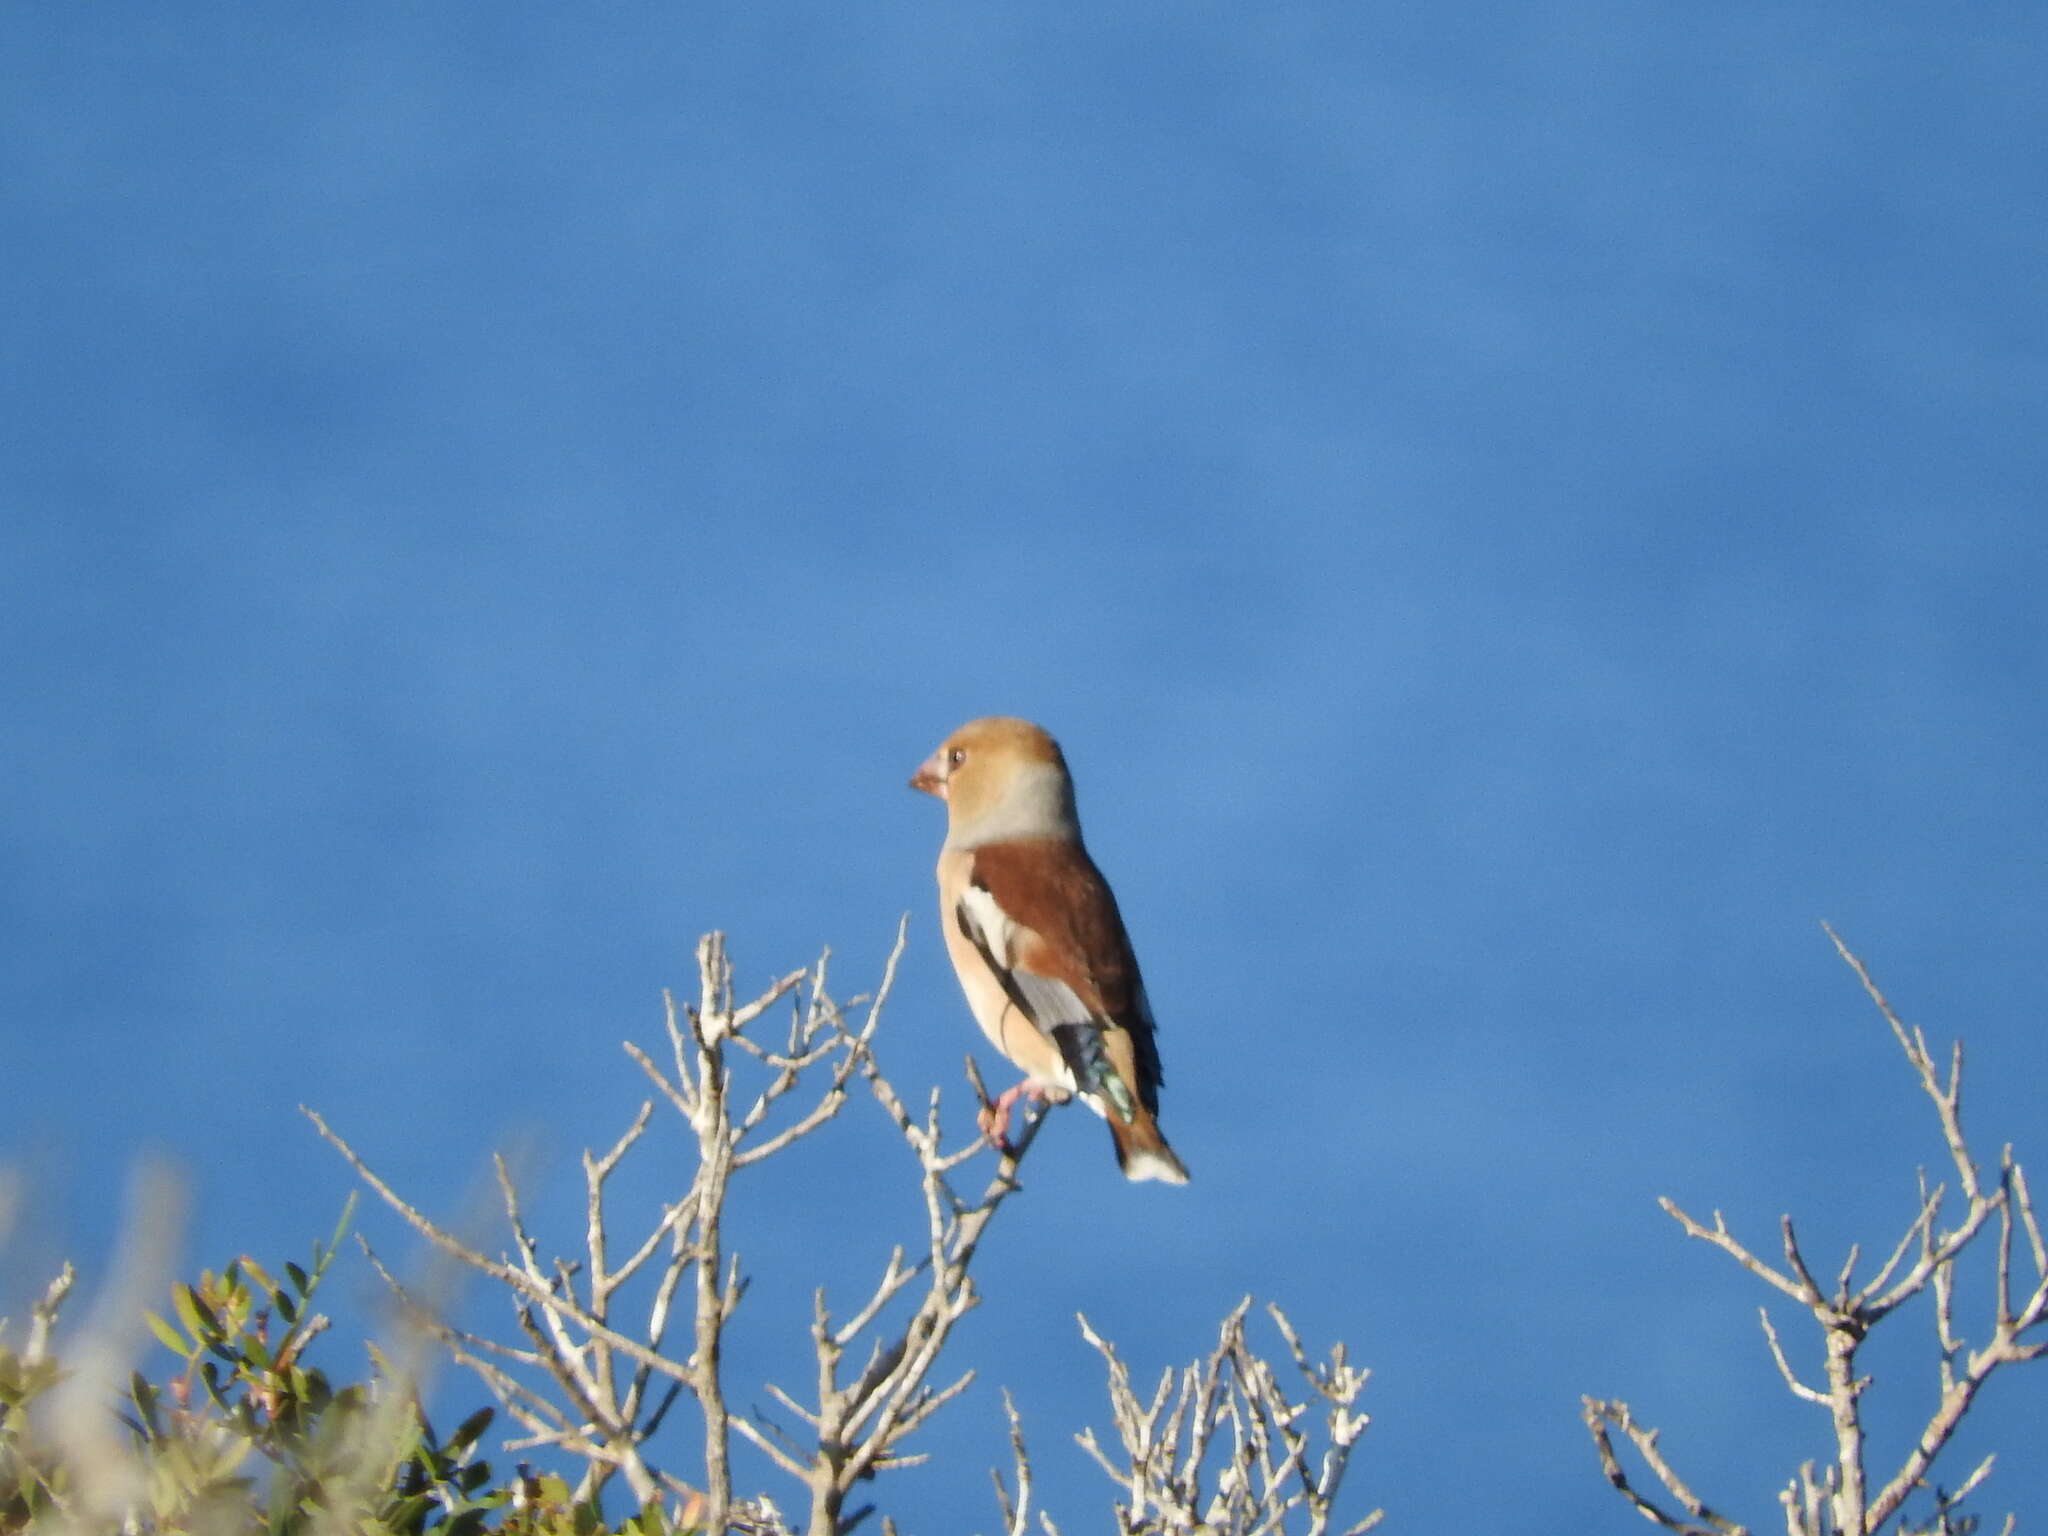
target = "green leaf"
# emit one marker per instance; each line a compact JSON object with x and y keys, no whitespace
{"x":145,"y":1399}
{"x":323,"y":1254}
{"x":407,"y":1514}
{"x":226,"y":1458}
{"x":193,"y":1313}
{"x":166,"y":1335}
{"x":469,"y":1430}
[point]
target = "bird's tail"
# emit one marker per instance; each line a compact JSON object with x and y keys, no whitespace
{"x":1142,"y":1152}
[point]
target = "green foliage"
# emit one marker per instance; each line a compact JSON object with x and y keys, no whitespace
{"x":242,"y":1436}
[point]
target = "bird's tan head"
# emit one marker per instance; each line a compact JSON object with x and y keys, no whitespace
{"x":1001,"y":778}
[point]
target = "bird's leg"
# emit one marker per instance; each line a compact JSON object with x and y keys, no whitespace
{"x":994,"y":1119}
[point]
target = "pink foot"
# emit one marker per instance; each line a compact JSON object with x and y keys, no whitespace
{"x":994,"y":1119}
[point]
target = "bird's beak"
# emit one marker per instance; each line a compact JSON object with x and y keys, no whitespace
{"x":930,"y":777}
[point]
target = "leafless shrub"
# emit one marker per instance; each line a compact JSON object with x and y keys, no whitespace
{"x":1221,"y":1447}
{"x":595,"y":1378}
{"x":1845,"y":1498}
{"x":247,"y":1435}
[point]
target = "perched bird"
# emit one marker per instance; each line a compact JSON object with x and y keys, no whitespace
{"x":1037,"y":941}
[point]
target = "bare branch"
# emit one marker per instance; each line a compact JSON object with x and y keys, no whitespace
{"x":1221,"y":1446}
{"x":1703,"y":1522}
{"x":1017,"y":1512}
{"x":1838,"y":1500}
{"x":1919,"y":1232}
{"x":1220,"y":1440}
{"x":563,"y":1387}
{"x":1799,"y":1388}
{"x":42,"y":1315}
{"x":1722,"y":1238}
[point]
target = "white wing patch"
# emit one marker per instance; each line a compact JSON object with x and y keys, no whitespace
{"x":1049,"y":1002}
{"x":991,"y":924}
{"x":1052,"y":1003}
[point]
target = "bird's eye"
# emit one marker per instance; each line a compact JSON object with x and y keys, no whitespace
{"x":956,"y":757}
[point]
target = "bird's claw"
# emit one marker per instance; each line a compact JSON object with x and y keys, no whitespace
{"x":995,"y":1130}
{"x":994,"y":1119}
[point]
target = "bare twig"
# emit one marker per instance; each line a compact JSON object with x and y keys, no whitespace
{"x":1703,"y":1522}
{"x":1221,"y":1446}
{"x":596,"y":1383}
{"x":1017,"y":1512}
{"x":1841,"y":1500}
{"x":590,"y":1380}
{"x":862,"y":1422}
{"x":42,"y":1315}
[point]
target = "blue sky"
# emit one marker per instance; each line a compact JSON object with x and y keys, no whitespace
{"x":1516,"y":517}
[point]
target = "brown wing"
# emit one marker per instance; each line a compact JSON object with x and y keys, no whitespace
{"x":1070,"y":932}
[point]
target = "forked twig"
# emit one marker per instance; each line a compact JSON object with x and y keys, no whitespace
{"x":1840,"y":1500}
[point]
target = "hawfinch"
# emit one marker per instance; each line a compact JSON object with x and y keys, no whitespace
{"x":1036,"y":939}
